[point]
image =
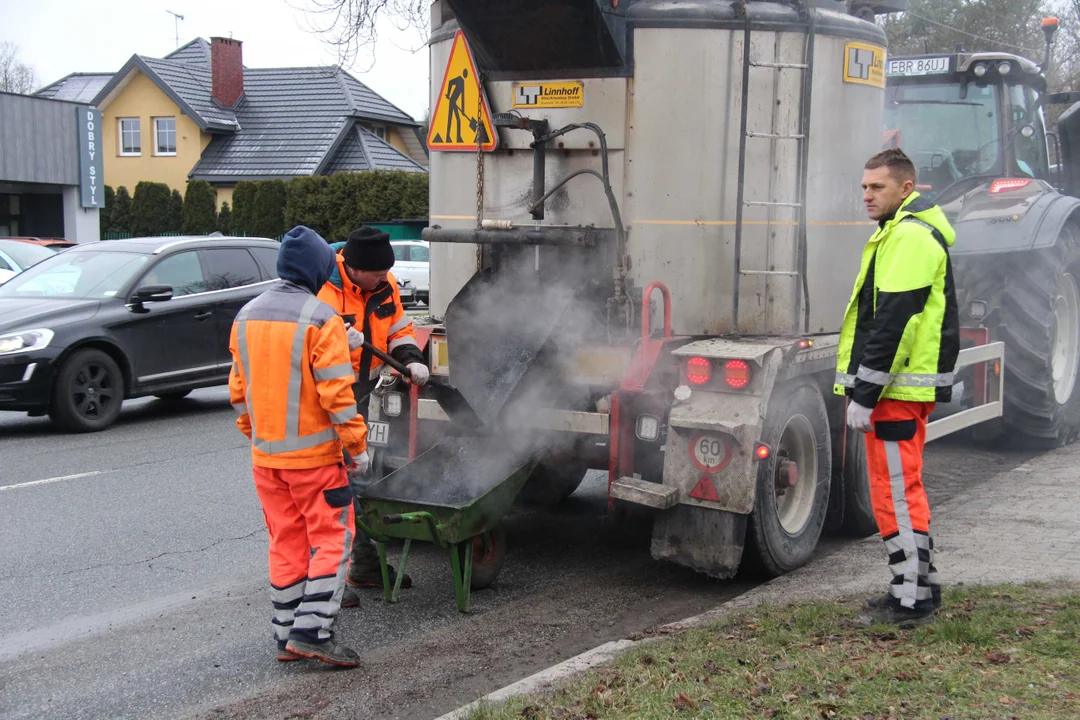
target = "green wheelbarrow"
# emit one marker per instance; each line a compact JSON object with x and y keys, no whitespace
{"x":454,"y":495}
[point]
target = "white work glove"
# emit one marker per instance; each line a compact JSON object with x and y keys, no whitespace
{"x":418,"y":372}
{"x":356,"y":338}
{"x":858,"y":417}
{"x":360,"y":465}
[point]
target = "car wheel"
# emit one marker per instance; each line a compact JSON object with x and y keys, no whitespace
{"x":88,"y":392}
{"x":172,"y":396}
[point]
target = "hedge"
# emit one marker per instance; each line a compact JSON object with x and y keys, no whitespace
{"x":150,"y":209}
{"x":120,"y":212}
{"x":199,"y":217}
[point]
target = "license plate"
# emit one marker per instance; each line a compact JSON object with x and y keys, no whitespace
{"x":378,"y":433}
{"x":919,"y":66}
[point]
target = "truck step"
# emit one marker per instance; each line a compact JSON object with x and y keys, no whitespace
{"x":642,"y":492}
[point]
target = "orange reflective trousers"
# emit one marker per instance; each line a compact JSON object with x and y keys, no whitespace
{"x":309,"y":515}
{"x":894,"y":453}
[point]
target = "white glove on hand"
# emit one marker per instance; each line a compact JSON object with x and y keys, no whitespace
{"x":858,"y":417}
{"x":419,"y":373}
{"x":356,"y":338}
{"x":360,"y":465}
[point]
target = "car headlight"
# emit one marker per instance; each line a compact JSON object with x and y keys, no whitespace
{"x":25,"y":341}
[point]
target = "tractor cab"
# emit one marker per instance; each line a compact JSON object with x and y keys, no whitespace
{"x":969,"y":121}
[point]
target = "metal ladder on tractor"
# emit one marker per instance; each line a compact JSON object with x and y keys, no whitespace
{"x":802,"y":138}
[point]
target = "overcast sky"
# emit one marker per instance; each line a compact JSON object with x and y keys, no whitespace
{"x":58,"y":37}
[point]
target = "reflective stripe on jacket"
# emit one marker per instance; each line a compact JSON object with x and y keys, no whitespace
{"x":901,"y":331}
{"x":381,"y":317}
{"x":291,"y":381}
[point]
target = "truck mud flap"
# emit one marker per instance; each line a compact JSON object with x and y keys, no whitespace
{"x":706,"y":540}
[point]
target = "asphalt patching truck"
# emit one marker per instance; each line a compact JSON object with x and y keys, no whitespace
{"x":646,"y":222}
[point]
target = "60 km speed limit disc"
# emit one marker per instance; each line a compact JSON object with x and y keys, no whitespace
{"x":710,"y":453}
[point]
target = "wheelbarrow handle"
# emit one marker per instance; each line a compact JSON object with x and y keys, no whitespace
{"x":386,"y":358}
{"x":393,"y":519}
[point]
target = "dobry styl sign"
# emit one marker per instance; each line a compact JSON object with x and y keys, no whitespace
{"x":91,"y":167}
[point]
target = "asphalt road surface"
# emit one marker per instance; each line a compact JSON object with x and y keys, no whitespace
{"x":133,"y":576}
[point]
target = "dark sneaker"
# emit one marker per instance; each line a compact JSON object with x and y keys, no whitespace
{"x":373,"y":578}
{"x":283,"y":655}
{"x":349,"y":599}
{"x":331,"y":652}
{"x":881,"y":601}
{"x":889,"y":615}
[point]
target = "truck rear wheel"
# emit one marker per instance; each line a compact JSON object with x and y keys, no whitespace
{"x":1041,"y":331}
{"x":792,"y":494}
{"x":859,"y":520}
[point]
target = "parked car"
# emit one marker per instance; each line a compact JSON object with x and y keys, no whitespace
{"x":411,"y":263}
{"x":406,"y":291}
{"x":54,"y":243}
{"x":16,"y":256}
{"x":99,"y":323}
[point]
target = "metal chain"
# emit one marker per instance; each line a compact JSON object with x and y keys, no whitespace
{"x":481,"y":136}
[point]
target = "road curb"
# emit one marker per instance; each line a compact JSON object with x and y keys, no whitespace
{"x":545,"y":678}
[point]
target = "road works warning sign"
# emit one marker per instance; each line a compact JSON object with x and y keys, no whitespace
{"x":462,"y":117}
{"x":549,"y":94}
{"x":864,"y":64}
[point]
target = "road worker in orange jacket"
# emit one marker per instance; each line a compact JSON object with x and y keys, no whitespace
{"x":362,"y":285}
{"x":291,"y":383}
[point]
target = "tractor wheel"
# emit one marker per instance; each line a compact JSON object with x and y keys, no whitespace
{"x":792,"y":493}
{"x":1040,"y":326}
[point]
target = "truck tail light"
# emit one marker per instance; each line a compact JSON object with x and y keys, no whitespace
{"x":737,"y":374}
{"x":1008,"y":185}
{"x":698,"y":370}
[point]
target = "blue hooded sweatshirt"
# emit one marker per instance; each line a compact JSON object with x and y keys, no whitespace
{"x":335,"y":274}
{"x":305,"y":259}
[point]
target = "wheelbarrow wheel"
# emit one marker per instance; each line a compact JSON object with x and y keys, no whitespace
{"x":489,"y":553}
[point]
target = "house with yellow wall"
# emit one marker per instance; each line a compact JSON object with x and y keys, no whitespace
{"x":198,"y":113}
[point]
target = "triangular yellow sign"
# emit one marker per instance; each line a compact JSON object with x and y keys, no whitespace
{"x":461,"y":112}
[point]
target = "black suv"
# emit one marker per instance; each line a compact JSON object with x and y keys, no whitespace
{"x":101,"y":322}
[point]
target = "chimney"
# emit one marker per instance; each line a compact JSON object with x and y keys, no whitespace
{"x":226,"y":70}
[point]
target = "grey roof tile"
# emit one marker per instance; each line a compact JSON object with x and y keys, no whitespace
{"x":384,"y":156}
{"x":196,"y":52}
{"x":191,"y":81}
{"x":76,"y":87}
{"x":369,"y":104}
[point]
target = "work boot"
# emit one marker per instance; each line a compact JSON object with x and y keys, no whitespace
{"x":331,"y":652}
{"x":876,"y":603}
{"x":283,"y":654}
{"x":891,"y":615}
{"x":373,"y":578}
{"x":349,"y":598}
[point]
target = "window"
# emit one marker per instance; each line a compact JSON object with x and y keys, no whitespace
{"x":230,"y":268}
{"x":165,"y":136}
{"x":182,"y":272}
{"x":130,"y":137}
{"x":380,"y":132}
{"x":1030,"y":152}
{"x":419,"y":253}
{"x":401,"y":252}
{"x":268,"y":258}
{"x":5,"y":265}
{"x":86,"y":274}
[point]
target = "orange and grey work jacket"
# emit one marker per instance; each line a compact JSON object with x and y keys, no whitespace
{"x":291,"y":381}
{"x":381,"y":317}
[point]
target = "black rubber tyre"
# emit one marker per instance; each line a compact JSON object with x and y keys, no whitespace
{"x":796,"y":427}
{"x":859,"y":518}
{"x":489,"y":554}
{"x":1041,"y":411}
{"x":88,"y":392}
{"x":551,"y":483}
{"x":173,"y":396}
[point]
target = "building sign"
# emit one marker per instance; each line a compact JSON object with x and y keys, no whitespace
{"x":549,"y":95}
{"x":864,"y":64}
{"x":461,"y":119}
{"x":91,"y":166}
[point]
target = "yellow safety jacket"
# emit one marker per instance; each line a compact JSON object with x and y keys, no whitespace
{"x":901,"y":331}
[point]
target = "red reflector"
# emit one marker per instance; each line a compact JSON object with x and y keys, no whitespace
{"x":737,"y":374}
{"x":698,"y":370}
{"x":762,"y":452}
{"x":1008,"y":185}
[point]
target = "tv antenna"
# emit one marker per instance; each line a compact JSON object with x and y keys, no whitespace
{"x":177,"y":17}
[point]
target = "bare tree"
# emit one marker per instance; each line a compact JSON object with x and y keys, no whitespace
{"x":15,"y":77}
{"x":350,"y":25}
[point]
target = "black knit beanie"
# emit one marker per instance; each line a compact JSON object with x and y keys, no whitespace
{"x":368,"y":249}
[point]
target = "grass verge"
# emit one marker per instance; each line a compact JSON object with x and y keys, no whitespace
{"x":1002,"y":651}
